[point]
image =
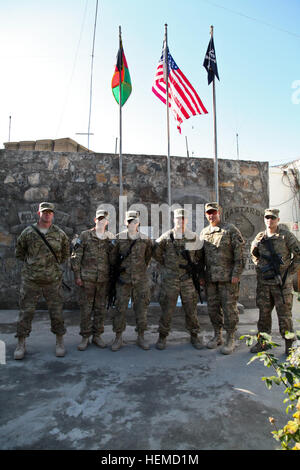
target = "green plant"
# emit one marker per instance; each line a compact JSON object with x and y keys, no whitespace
{"x":287,"y":374}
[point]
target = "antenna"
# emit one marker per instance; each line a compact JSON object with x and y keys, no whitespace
{"x":9,"y":128}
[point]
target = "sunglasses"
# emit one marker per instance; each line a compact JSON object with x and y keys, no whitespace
{"x":211,"y":211}
{"x":270,"y":217}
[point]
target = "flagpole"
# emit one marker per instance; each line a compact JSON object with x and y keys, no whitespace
{"x":166,"y":71}
{"x":120,"y":109}
{"x":215,"y":133}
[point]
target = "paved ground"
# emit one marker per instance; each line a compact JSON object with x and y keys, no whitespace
{"x":177,"y":399}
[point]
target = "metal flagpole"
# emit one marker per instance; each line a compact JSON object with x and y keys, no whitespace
{"x":166,"y":77}
{"x":215,"y":133}
{"x":91,"y":84}
{"x":120,"y":108}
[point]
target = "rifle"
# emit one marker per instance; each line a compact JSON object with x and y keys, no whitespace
{"x":275,"y":260}
{"x":193,"y":270}
{"x":115,"y":272}
{"x":51,"y":249}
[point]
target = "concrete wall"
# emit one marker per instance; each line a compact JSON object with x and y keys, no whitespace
{"x":79,"y":183}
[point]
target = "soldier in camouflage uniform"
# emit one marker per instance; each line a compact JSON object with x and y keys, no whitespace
{"x":175,"y":279}
{"x":136,"y":250}
{"x":275,"y":290}
{"x":224,"y":263}
{"x":90,"y":263}
{"x":41,"y":275}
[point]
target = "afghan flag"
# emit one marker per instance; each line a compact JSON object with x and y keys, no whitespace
{"x":122,"y":71}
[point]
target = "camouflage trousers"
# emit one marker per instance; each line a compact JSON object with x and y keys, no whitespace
{"x":268,"y":297}
{"x":170,"y":290}
{"x":30,"y":293}
{"x":140,"y":297}
{"x":92,"y":301}
{"x":222,"y":308}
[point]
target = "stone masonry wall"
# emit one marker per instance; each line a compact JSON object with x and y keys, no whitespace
{"x":79,"y":183}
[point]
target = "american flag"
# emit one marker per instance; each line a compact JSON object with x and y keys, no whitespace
{"x":183,"y":98}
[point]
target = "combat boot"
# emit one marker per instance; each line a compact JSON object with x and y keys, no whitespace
{"x":260,"y":346}
{"x":83,"y":344}
{"x":60,"y":348}
{"x":228,"y":348}
{"x":161,"y":342}
{"x":196,"y":341}
{"x":141,"y":342}
{"x":118,"y":342}
{"x":20,"y":349}
{"x":288,"y":345}
{"x":216,"y":340}
{"x":98,"y":341}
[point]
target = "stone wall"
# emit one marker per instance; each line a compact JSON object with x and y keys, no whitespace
{"x":79,"y":183}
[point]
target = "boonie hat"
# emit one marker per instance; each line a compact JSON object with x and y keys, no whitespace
{"x":212,"y":206}
{"x":274,"y":212}
{"x":46,"y":206}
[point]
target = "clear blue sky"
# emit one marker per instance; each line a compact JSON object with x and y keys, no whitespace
{"x":45,"y":53}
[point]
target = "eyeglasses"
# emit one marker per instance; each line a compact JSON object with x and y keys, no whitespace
{"x":270,"y":217}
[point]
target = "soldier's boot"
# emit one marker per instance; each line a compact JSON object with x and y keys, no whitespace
{"x":98,"y":341}
{"x":141,"y":342}
{"x":216,"y":340}
{"x":60,"y":347}
{"x":161,"y":342}
{"x":196,"y":341}
{"x":288,"y":345}
{"x":118,"y":342}
{"x":229,"y":346}
{"x":83,"y":344}
{"x":20,"y":349}
{"x":260,"y":346}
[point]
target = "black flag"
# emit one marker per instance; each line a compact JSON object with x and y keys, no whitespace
{"x":210,"y":62}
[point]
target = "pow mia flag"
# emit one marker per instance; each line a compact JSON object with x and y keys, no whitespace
{"x":210,"y":62}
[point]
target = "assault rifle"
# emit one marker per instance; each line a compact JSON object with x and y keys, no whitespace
{"x":273,"y":266}
{"x":114,"y":275}
{"x":193,"y":270}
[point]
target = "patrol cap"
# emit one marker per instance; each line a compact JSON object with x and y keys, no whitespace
{"x":46,"y":206}
{"x":101,"y":213}
{"x":274,"y":212}
{"x":180,"y":213}
{"x":212,"y":206}
{"x":130,"y":215}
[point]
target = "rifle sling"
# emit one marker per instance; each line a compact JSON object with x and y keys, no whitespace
{"x":49,"y":247}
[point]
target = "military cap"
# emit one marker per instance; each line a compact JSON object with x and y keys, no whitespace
{"x":46,"y":206}
{"x":130,"y":215}
{"x":180,"y":213}
{"x":212,"y":206}
{"x":101,"y":213}
{"x":274,"y":212}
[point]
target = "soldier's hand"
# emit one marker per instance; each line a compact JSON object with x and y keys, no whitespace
{"x":235,"y":280}
{"x":79,"y":282}
{"x":202,"y":282}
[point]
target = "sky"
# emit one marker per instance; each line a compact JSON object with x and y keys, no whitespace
{"x":45,"y":54}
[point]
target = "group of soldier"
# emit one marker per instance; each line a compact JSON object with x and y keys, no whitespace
{"x":109,"y":270}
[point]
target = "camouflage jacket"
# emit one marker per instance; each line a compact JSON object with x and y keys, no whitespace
{"x":169,"y":253}
{"x":223,"y":251}
{"x":90,"y":258}
{"x":285,"y":244}
{"x":137,"y":261}
{"x":39,"y":263}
